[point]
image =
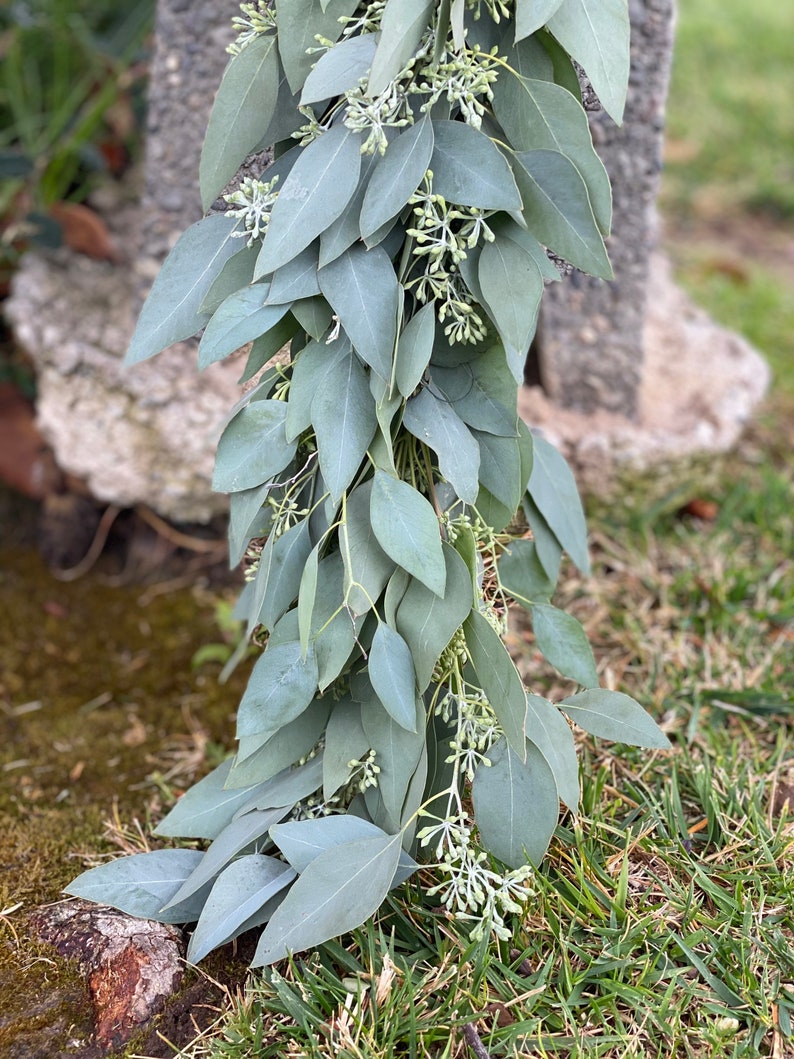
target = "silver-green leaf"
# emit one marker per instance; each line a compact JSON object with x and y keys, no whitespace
{"x":407,"y":529}
{"x":613,"y":715}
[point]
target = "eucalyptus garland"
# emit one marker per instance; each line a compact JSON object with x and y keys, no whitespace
{"x":386,"y":501}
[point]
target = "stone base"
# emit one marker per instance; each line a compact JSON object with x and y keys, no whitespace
{"x":699,"y":387}
{"x":142,"y":435}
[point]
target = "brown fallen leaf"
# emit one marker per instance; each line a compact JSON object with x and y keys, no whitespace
{"x":84,"y":231}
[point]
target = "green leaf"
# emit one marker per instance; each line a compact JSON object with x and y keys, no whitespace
{"x":512,"y":286}
{"x":537,"y":115}
{"x":391,"y":670}
{"x":436,"y":423}
{"x":287,"y":787}
{"x":172,"y":311}
{"x":548,"y":547}
{"x":340,"y":68}
{"x":206,"y":808}
{"x":397,"y":176}
{"x":253,"y":447}
{"x":297,"y":279}
{"x":613,"y":715}
{"x":469,"y":169}
{"x":141,"y":884}
{"x":426,"y":621}
{"x":362,"y":288}
{"x":552,"y":488}
{"x":367,"y":567}
{"x":339,"y":890}
{"x":407,"y":529}
{"x":557,"y":210}
{"x":243,"y":890}
{"x":498,"y":678}
{"x":345,"y":741}
{"x":531,"y":15}
{"x":307,"y":597}
{"x":414,"y":349}
{"x":309,"y":370}
{"x":243,"y":109}
{"x":522,"y":574}
{"x":516,"y":805}
{"x":344,"y":420}
{"x":334,"y":627}
{"x":266,"y":346}
{"x":303,"y":841}
{"x":263,"y":759}
{"x":288,"y":556}
{"x":314,"y":315}
{"x":563,"y":642}
{"x":281,"y":686}
{"x":500,"y":468}
{"x":299,"y":23}
{"x":242,"y":317}
{"x":483,"y":392}
{"x":596,"y":34}
{"x":508,"y":228}
{"x":238,"y":272}
{"x":402,"y":26}
{"x":319,"y":187}
{"x":345,"y":230}
{"x":550,"y":733}
{"x":397,"y":753}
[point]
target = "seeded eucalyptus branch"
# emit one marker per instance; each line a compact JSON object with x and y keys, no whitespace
{"x":386,"y":501}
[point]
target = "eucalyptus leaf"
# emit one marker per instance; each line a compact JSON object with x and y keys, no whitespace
{"x":242,"y":889}
{"x":140,"y":884}
{"x":253,"y":447}
{"x":241,"y":318}
{"x":345,"y":741}
{"x":206,"y":808}
{"x":427,"y":621}
{"x":367,"y":567}
{"x":309,"y":370}
{"x":268,"y":345}
{"x":613,"y":715}
{"x":500,"y":468}
{"x":299,"y":23}
{"x":172,"y":311}
{"x":363,"y":290}
{"x":247,"y":519}
{"x":531,"y":15}
{"x":516,"y":804}
{"x":288,"y":557}
{"x":498,"y":678}
{"x":344,"y":420}
{"x":408,"y":531}
{"x":397,"y":176}
{"x":241,"y":113}
{"x":512,"y":286}
{"x":402,"y":26}
{"x":302,"y":841}
{"x":550,"y":733}
{"x":469,"y":169}
{"x":482,"y":392}
{"x":267,"y":757}
{"x":414,"y":349}
{"x":314,"y":315}
{"x":319,"y":187}
{"x":281,"y":686}
{"x":563,"y":642}
{"x":596,"y":34}
{"x":549,"y":550}
{"x":297,"y":279}
{"x":438,"y":425}
{"x":338,"y":891}
{"x":345,"y":230}
{"x":523,"y":576}
{"x":287,"y":787}
{"x":557,"y":209}
{"x":553,"y":491}
{"x":397,"y":753}
{"x":391,"y":671}
{"x":340,"y":68}
{"x":238,"y":272}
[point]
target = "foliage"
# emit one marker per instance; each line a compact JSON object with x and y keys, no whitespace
{"x":425,"y":154}
{"x":65,"y":67}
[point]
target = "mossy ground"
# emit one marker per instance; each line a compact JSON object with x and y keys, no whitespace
{"x":103,"y":717}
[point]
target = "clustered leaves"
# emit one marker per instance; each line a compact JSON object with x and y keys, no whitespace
{"x":427,"y":153}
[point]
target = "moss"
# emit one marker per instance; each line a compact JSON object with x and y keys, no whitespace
{"x":97,"y":695}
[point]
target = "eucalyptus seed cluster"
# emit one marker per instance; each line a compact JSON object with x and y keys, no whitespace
{"x":389,"y":110}
{"x":442,"y":235}
{"x":254,"y":200}
{"x":497,"y":9}
{"x":254,"y":20}
{"x":463,"y":79}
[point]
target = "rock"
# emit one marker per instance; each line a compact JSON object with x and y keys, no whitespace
{"x":699,"y":387}
{"x":131,"y":966}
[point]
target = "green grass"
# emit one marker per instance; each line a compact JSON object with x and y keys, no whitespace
{"x":662,"y":921}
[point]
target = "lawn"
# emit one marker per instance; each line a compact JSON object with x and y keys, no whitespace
{"x":662,"y":921}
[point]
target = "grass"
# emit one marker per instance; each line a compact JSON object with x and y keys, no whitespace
{"x":662,"y":921}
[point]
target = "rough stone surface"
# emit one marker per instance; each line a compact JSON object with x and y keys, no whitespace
{"x":131,"y":966}
{"x":590,"y":339}
{"x":699,"y":387}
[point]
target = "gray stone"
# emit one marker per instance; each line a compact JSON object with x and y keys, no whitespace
{"x":590,"y":338}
